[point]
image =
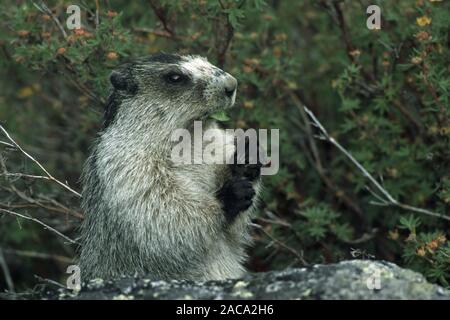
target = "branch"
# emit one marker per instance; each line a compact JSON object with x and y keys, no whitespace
{"x":97,"y":11}
{"x":7,"y":144}
{"x":441,"y":118}
{"x":50,"y":177}
{"x":162,"y":15}
{"x":388,"y":198}
{"x":336,"y":12}
{"x":23,"y":175}
{"x":74,"y":78}
{"x":224,"y":33}
{"x":39,"y":222}
{"x":317,"y":164}
{"x":44,"y":9}
{"x":160,"y":33}
{"x":50,"y":281}
{"x":404,"y":110}
{"x":299,"y":256}
{"x":32,"y":202}
{"x":6,"y":272}
{"x":38,"y":255}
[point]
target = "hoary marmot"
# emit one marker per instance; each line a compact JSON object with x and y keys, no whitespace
{"x":145,"y":215}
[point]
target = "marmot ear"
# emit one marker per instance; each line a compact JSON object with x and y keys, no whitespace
{"x":122,"y":82}
{"x":118,"y":80}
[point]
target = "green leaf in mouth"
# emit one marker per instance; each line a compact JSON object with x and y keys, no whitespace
{"x":220,"y":116}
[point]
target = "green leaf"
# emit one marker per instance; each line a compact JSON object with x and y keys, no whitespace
{"x":220,"y":116}
{"x":349,"y":104}
{"x":410,"y":223}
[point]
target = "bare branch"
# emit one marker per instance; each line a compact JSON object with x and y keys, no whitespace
{"x":160,"y":33}
{"x":50,"y":177}
{"x":6,"y":272}
{"x":39,"y":222}
{"x":299,"y":256}
{"x":50,"y":281}
{"x":44,"y":9}
{"x":23,"y":175}
{"x":316,"y":162}
{"x":162,"y":15}
{"x":97,"y":12}
{"x":389,"y":199}
{"x":7,"y":144}
{"x":223,"y":36}
{"x":38,"y":255}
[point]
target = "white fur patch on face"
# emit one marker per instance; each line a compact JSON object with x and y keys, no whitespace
{"x":216,"y":80}
{"x":198,"y":66}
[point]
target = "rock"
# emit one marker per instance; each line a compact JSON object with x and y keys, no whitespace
{"x":354,"y":279}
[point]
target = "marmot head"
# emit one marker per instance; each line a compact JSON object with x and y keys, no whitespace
{"x":168,"y":88}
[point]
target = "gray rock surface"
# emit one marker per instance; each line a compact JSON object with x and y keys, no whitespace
{"x":354,"y":279}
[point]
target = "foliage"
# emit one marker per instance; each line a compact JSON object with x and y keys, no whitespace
{"x":384,"y":94}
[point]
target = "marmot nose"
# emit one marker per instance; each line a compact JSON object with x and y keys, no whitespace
{"x":230,"y":86}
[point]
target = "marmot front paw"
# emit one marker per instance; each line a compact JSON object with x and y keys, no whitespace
{"x":236,"y":196}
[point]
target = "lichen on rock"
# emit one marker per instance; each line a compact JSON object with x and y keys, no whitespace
{"x":353,"y":279}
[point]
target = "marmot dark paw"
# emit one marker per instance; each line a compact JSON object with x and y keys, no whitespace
{"x":236,"y":196}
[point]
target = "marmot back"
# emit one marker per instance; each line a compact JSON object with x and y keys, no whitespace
{"x":143,"y":213}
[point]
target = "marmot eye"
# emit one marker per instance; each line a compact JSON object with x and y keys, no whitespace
{"x":175,"y":77}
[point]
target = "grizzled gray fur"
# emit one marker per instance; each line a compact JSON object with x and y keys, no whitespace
{"x":143,"y":213}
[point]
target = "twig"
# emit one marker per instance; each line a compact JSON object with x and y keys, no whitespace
{"x":299,"y":256}
{"x":50,"y":281}
{"x":343,"y":26}
{"x":308,"y":130}
{"x":23,"y":175}
{"x":6,"y":272}
{"x":97,"y":11}
{"x":79,"y":85}
{"x":50,"y":177}
{"x":388,"y":198}
{"x":161,"y":14}
{"x":32,"y":202}
{"x":58,"y":207}
{"x":277,"y":222}
{"x":224,"y":33}
{"x":397,"y":103}
{"x":434,"y":94}
{"x":38,"y":255}
{"x":39,"y":222}
{"x":382,"y":201}
{"x":6,"y":144}
{"x":44,"y":9}
{"x":159,"y":33}
{"x":337,"y":14}
{"x":317,"y":164}
{"x":62,"y":207}
{"x":364,"y":238}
